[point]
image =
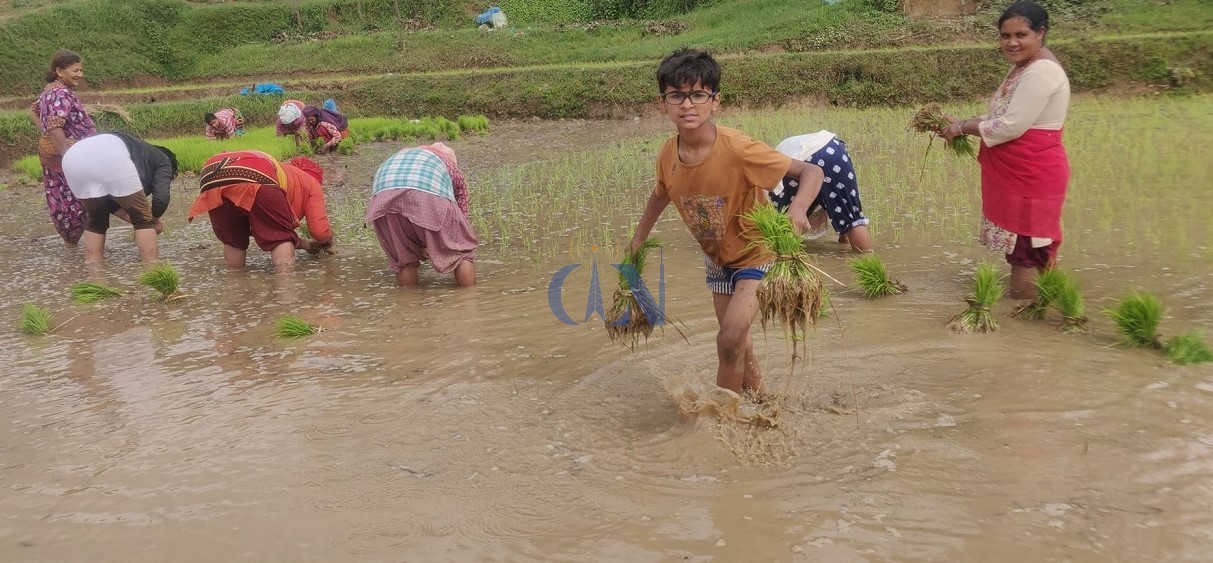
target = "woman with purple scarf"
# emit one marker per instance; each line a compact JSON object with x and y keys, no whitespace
{"x":63,"y":121}
{"x":328,"y":128}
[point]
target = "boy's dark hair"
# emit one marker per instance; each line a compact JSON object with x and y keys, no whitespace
{"x":208,"y":117}
{"x":1037,"y":17}
{"x":686,"y":67}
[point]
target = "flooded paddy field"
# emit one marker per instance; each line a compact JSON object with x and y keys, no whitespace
{"x":446,"y":425}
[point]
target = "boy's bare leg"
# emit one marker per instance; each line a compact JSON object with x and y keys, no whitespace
{"x":407,"y":276}
{"x":860,"y":238}
{"x":233,"y":257}
{"x":734,"y":349}
{"x":94,"y":247}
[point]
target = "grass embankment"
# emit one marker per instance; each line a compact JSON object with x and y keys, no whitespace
{"x":884,"y":77}
{"x":193,"y":151}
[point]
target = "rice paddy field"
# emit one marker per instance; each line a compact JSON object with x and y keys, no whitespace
{"x":445,"y":425}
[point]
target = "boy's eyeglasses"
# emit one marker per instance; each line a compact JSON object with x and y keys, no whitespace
{"x":698,"y":97}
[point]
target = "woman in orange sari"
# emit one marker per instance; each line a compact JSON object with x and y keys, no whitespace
{"x":1024,"y":168}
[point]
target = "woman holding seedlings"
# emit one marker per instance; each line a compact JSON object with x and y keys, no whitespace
{"x":305,"y":195}
{"x":291,"y":121}
{"x":713,"y":175}
{"x":115,"y":173}
{"x":225,"y":123}
{"x":1024,"y":168}
{"x":327,"y":128}
{"x":63,"y":121}
{"x":243,"y":193}
{"x":838,"y":193}
{"x":419,"y":210}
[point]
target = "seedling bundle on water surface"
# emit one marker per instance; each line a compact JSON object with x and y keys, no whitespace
{"x":988,"y":288}
{"x":873,"y":278}
{"x":291,"y":326}
{"x":1055,"y":288}
{"x":930,"y":119}
{"x":164,"y":279}
{"x":1138,"y":315}
{"x":790,"y":291}
{"x":36,"y":320}
{"x":633,"y":308}
{"x":88,"y":292}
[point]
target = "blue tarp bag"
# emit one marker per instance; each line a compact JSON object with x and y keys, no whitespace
{"x":487,"y":15}
{"x":331,"y":105}
{"x":267,"y":89}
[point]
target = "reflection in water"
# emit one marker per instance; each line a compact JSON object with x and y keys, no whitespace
{"x":446,"y":425}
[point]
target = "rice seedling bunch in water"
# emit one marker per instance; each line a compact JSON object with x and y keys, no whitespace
{"x":873,"y":278}
{"x":1048,"y":284}
{"x":633,"y":308}
{"x":930,"y":119}
{"x":35,"y":319}
{"x":790,"y":292}
{"x":1070,"y":305}
{"x":164,"y":279}
{"x":1137,"y":316}
{"x":988,"y":288}
{"x":1188,"y":348}
{"x":291,"y":326}
{"x":88,"y":292}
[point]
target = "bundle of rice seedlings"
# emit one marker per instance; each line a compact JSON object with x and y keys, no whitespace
{"x":790,"y":291}
{"x":988,"y":288}
{"x":35,"y":319}
{"x":114,"y":109}
{"x":304,"y":232}
{"x":291,"y":326}
{"x":633,"y":309}
{"x":1070,"y":305}
{"x":930,"y":119}
{"x":873,"y":279}
{"x":164,"y":279}
{"x":88,"y":292}
{"x":1188,"y":348}
{"x":1048,"y":284}
{"x":1137,"y":316}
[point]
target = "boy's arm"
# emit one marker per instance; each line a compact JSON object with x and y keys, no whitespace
{"x":652,"y":211}
{"x":810,"y":177}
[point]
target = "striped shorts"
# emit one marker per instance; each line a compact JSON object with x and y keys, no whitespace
{"x":723,"y":279}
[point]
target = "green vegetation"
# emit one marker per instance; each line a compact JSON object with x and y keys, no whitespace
{"x":1188,"y":348}
{"x":88,"y":292}
{"x":291,"y":326}
{"x":988,"y":288}
{"x":791,"y":290}
{"x":1137,"y":316}
{"x":1070,"y":305}
{"x":873,"y":278}
{"x":164,"y":279}
{"x":628,"y":319}
{"x":35,"y":319}
{"x":1049,"y":284}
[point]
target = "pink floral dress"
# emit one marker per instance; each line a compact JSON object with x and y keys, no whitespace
{"x":57,"y":108}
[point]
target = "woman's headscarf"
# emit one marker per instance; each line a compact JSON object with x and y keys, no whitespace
{"x":309,"y":166}
{"x":327,"y":116}
{"x":289,"y":113}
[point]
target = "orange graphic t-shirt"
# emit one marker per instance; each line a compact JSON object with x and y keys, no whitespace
{"x":711,"y":195}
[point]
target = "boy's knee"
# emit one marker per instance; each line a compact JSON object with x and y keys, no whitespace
{"x":731,"y":341}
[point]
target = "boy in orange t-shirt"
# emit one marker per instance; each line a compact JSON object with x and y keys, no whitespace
{"x":713,"y":175}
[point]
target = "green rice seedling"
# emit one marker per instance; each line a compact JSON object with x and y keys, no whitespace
{"x":304,"y":232}
{"x":164,"y":279}
{"x":633,"y":310}
{"x":1070,"y":305}
{"x":930,"y":119}
{"x":291,"y":326}
{"x":1137,"y":316}
{"x":873,"y":278}
{"x":791,"y":291}
{"x":1188,"y":348}
{"x":88,"y":292}
{"x":988,"y":288}
{"x":1048,"y":284}
{"x":35,"y":319}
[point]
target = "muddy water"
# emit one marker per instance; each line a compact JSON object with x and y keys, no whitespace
{"x":443,"y":425}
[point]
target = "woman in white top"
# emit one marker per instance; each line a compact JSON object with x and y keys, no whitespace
{"x":1024,"y":168}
